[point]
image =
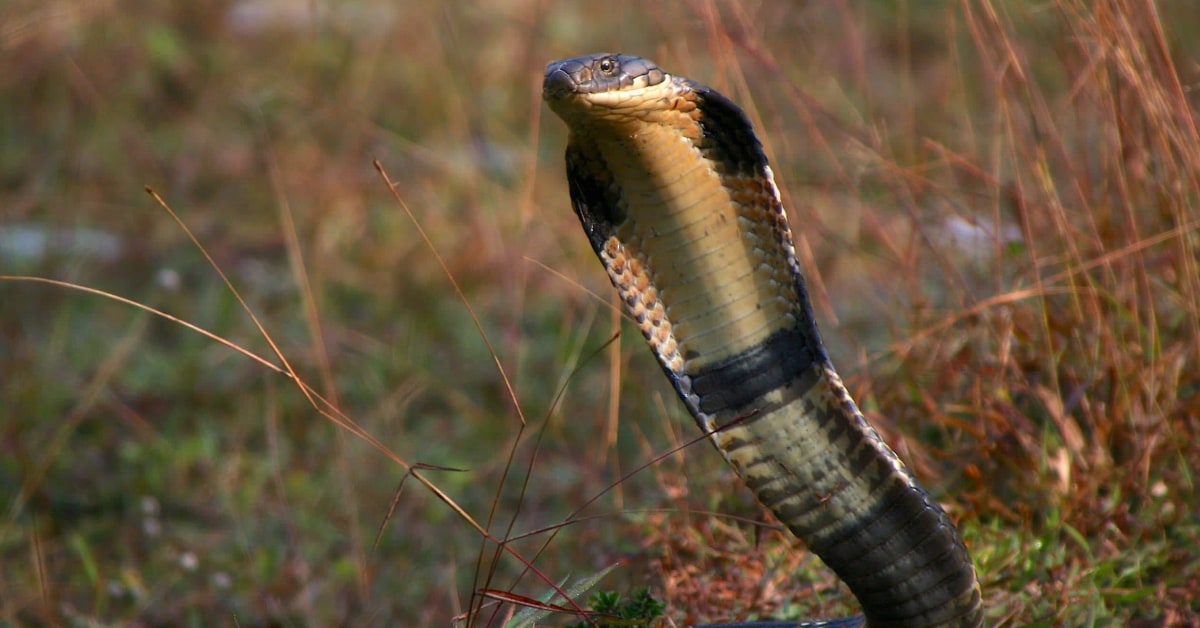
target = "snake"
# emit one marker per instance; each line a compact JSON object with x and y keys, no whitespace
{"x":674,"y":192}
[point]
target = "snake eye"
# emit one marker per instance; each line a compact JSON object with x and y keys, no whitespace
{"x":607,"y":66}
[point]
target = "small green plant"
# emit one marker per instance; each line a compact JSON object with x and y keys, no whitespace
{"x":640,"y":608}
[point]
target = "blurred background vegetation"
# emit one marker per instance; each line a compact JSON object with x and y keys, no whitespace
{"x":997,"y":203}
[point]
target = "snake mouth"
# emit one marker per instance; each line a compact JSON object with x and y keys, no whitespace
{"x":613,"y":81}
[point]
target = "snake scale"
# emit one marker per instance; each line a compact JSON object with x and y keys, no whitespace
{"x":673,"y":190}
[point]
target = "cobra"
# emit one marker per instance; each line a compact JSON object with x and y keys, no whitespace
{"x":674,"y":192}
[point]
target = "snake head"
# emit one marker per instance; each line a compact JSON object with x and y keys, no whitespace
{"x":599,"y":80}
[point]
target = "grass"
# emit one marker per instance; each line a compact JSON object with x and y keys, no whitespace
{"x":996,"y":202}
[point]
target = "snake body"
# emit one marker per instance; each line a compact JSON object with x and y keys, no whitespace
{"x":674,"y":192}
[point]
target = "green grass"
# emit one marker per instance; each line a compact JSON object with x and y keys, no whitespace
{"x":1039,"y":372}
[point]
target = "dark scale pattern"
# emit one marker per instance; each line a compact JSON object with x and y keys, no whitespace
{"x":594,"y":194}
{"x":729,"y":138}
{"x":782,"y":359}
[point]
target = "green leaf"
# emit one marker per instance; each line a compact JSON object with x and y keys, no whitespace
{"x":529,"y":617}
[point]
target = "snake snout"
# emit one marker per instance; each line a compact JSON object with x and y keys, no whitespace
{"x":562,"y":78}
